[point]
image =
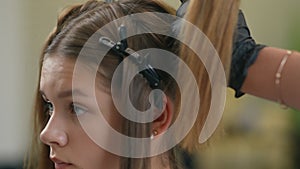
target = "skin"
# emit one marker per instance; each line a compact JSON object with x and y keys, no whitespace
{"x":260,"y":80}
{"x":67,"y":140}
{"x":75,"y":113}
{"x":73,"y":126}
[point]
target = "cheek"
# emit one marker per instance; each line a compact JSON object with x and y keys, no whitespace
{"x":90,"y":155}
{"x":114,"y":119}
{"x":108,"y":110}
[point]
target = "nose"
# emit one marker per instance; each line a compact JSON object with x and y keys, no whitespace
{"x":53,"y":133}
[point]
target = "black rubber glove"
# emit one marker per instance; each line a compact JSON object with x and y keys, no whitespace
{"x":245,"y":50}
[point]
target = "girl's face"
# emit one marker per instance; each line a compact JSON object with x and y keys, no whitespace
{"x":70,"y":146}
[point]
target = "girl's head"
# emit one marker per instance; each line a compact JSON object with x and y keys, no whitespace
{"x":57,"y":113}
{"x":60,"y":105}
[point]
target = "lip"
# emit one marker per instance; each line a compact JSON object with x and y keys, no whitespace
{"x":59,"y":164}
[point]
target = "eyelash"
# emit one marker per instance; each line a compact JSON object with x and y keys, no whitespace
{"x":75,"y":108}
{"x":48,"y":107}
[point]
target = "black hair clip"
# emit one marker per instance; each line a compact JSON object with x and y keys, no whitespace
{"x":121,"y":48}
{"x":148,"y":72}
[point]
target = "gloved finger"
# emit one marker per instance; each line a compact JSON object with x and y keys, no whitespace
{"x":242,"y":32}
{"x":176,"y":26}
{"x":183,"y":1}
{"x":182,"y":9}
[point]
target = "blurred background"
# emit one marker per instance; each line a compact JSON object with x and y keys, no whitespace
{"x":255,"y":133}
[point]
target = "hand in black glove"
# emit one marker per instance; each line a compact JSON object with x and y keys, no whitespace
{"x":245,"y":50}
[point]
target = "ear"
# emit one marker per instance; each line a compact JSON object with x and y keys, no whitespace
{"x":162,"y":123}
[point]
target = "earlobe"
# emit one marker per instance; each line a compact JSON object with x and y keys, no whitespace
{"x":163,"y":122}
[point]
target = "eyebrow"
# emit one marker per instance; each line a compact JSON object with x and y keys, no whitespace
{"x":67,"y":93}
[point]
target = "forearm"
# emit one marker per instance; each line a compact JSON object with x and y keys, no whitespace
{"x":253,"y":67}
{"x":260,"y":80}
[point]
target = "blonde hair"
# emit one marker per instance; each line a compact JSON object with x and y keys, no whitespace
{"x":217,"y":20}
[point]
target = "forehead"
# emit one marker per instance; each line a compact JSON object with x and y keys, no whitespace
{"x":58,"y":73}
{"x":56,"y":68}
{"x":57,"y":64}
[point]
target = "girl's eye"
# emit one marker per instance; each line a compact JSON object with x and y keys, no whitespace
{"x":48,"y":107}
{"x":77,"y":109}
